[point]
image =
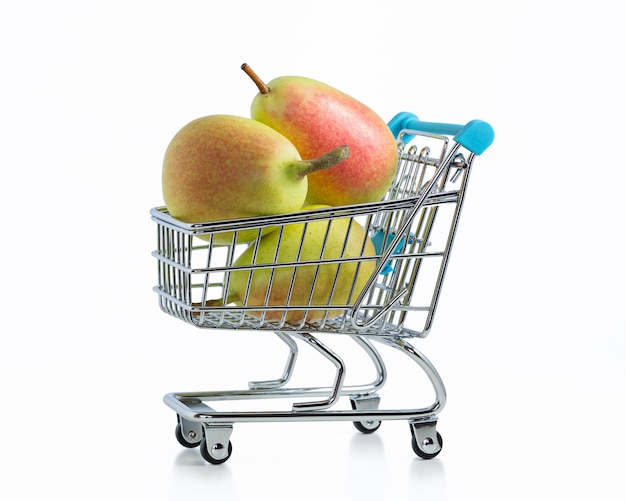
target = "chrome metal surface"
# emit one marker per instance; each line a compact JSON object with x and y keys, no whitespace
{"x":425,"y":434}
{"x":413,"y":229}
{"x":289,"y":366}
{"x":217,"y":437}
{"x":189,"y":405}
{"x":339,"y":377}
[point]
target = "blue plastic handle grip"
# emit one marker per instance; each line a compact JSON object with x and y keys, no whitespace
{"x":475,"y":135}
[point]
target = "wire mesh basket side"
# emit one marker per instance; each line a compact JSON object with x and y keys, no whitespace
{"x":196,"y":276}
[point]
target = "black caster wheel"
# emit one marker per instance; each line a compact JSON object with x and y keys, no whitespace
{"x":218,"y":450}
{"x":366,"y":426}
{"x":423,"y":454}
{"x":182,"y":440}
{"x":362,"y":403}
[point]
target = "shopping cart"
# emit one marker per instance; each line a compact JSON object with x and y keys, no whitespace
{"x":411,"y":231}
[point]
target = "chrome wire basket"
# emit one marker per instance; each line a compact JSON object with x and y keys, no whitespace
{"x":370,"y":271}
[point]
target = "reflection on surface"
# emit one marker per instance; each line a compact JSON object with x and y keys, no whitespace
{"x":190,"y":457}
{"x":427,"y":475}
{"x":430,"y":469}
{"x":361,"y":444}
{"x":190,"y":465}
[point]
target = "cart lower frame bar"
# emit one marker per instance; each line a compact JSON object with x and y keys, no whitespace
{"x":190,"y":405}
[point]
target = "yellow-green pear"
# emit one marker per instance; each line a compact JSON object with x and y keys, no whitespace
{"x":221,"y":167}
{"x":324,"y":285}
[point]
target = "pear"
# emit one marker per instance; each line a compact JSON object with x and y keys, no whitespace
{"x":315,"y":284}
{"x":316,"y":117}
{"x":222,"y":167}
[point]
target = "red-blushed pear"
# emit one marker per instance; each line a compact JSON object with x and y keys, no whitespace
{"x":321,"y":285}
{"x":316,"y":117}
{"x":222,"y":167}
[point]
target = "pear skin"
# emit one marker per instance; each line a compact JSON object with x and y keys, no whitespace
{"x":326,"y":284}
{"x":316,"y":117}
{"x":221,"y":167}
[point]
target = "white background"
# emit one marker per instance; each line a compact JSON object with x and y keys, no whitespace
{"x":529,"y":337}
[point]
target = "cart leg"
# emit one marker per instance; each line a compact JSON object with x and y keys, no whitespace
{"x":289,"y":366}
{"x":339,"y":378}
{"x":381,"y":371}
{"x":427,"y":367}
{"x":369,"y":400}
{"x":426,"y":440}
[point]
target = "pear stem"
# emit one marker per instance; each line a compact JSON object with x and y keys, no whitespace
{"x":263,"y":89}
{"x":326,"y":161}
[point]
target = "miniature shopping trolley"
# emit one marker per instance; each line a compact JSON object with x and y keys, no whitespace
{"x":411,"y":230}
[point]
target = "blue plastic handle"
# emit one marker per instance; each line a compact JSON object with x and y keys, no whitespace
{"x":475,"y":135}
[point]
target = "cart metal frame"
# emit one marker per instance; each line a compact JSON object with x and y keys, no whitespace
{"x":412,"y":227}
